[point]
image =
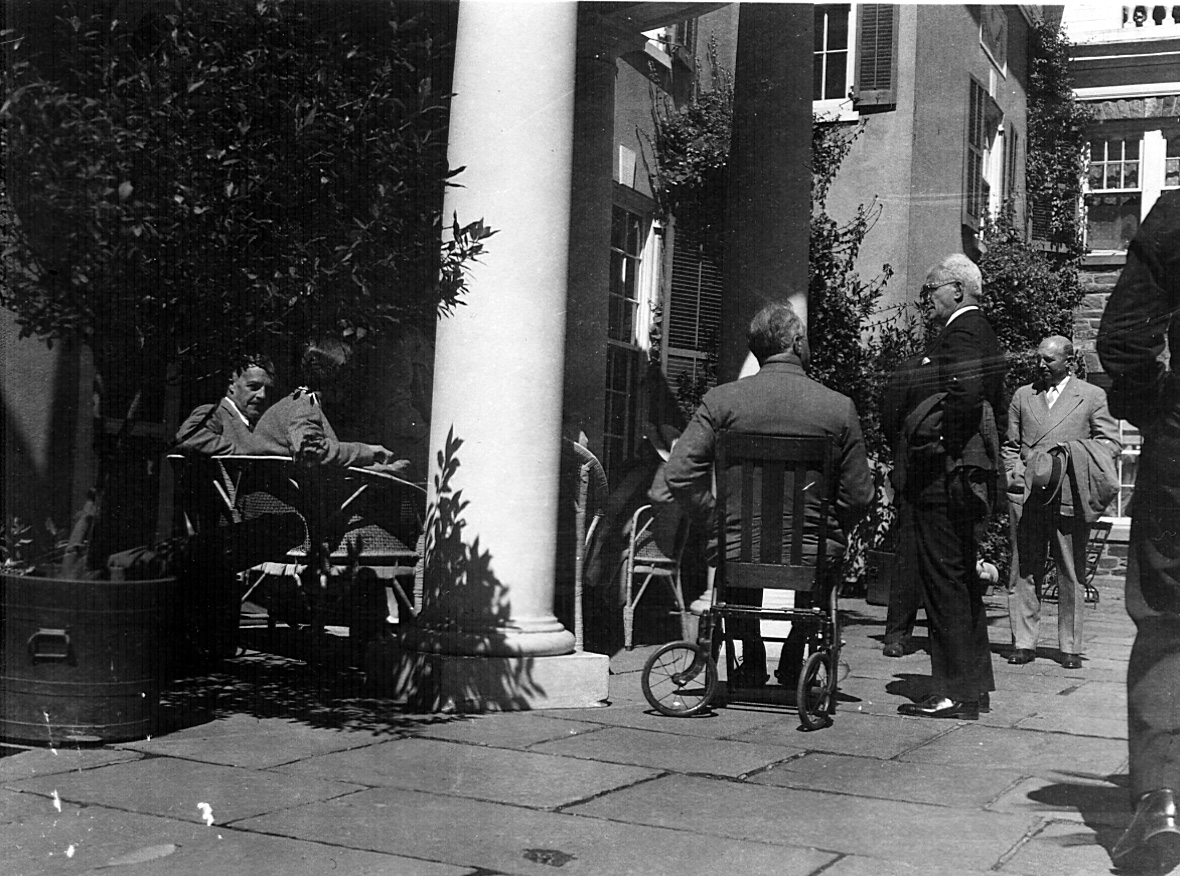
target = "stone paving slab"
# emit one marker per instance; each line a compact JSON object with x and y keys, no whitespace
{"x":496,"y":774}
{"x":509,"y":730}
{"x":1062,"y":849}
{"x":1023,"y":750}
{"x":95,"y":839}
{"x":498,"y":837}
{"x":173,"y":788}
{"x":720,"y":723}
{"x":859,"y":865}
{"x":957,"y":786}
{"x":831,"y":822}
{"x":247,"y":742}
{"x":865,"y":735}
{"x":49,"y":761}
{"x":689,"y":754}
{"x":1091,"y":799}
{"x":1064,"y":722}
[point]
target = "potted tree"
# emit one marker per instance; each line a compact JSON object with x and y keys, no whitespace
{"x":183,"y":182}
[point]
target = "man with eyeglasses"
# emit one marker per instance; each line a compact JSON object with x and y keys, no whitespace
{"x":952,"y":475}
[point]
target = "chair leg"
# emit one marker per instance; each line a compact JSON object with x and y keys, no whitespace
{"x":628,"y":625}
{"x":678,"y":597}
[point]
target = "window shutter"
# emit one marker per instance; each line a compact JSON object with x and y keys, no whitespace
{"x":694,"y":312}
{"x":876,"y":62}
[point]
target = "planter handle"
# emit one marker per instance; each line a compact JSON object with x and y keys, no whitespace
{"x":51,"y":646}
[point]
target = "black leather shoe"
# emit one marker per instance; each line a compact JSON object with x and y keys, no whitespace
{"x":985,"y":702}
{"x":1071,"y":661}
{"x":1022,"y":655}
{"x":1152,"y":841}
{"x":893,"y":649}
{"x":941,"y":707}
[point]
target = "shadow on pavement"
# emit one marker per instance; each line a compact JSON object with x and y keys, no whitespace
{"x":1104,"y":808}
{"x":317,"y":687}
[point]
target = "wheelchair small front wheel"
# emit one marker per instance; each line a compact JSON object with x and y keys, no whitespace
{"x":679,"y":679}
{"x":816,"y":690}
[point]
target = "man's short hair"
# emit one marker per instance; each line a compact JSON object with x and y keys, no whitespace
{"x":252,"y":360}
{"x":773,"y":330}
{"x":960,"y":268}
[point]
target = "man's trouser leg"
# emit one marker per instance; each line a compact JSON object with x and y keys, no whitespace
{"x":1069,"y":554}
{"x":1030,"y":554}
{"x":905,"y":588}
{"x":1153,"y":691}
{"x":960,"y":657}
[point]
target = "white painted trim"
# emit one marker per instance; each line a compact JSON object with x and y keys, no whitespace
{"x":1141,"y":89}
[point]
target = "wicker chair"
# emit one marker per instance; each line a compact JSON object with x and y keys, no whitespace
{"x":644,"y":562}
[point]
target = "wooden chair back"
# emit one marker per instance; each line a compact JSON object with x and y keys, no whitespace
{"x":769,"y":480}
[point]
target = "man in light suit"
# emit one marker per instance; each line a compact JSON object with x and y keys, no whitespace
{"x":226,"y":427}
{"x":1058,"y":411}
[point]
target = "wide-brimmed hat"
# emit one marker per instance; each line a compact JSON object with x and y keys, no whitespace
{"x":1044,"y":473}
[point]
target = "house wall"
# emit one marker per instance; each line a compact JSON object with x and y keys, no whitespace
{"x":912,"y":158}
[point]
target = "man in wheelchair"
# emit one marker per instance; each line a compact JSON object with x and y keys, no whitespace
{"x":780,"y":399}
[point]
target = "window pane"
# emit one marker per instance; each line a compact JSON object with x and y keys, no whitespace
{"x":1131,"y":148}
{"x":821,"y":14}
{"x":1172,"y":172}
{"x":817,"y":78}
{"x":1096,"y":174}
{"x":1113,"y":176}
{"x":1131,"y":175}
{"x":838,"y":26}
{"x":1111,"y":220}
{"x":618,"y":228}
{"x":834,"y":80}
{"x":634,"y":234}
{"x":617,"y":268}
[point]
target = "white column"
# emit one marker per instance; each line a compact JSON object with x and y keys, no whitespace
{"x":492,"y":520}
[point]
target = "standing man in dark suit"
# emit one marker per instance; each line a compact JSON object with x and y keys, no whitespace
{"x":780,"y":399}
{"x":1058,"y":414}
{"x":1139,"y":318}
{"x":953,"y":469}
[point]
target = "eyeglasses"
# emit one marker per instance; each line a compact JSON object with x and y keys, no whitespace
{"x":929,"y":288}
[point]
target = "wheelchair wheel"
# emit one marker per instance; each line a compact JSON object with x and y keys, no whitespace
{"x":817,"y":687}
{"x":679,"y":679}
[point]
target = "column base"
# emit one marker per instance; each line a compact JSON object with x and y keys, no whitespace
{"x":452,"y":683}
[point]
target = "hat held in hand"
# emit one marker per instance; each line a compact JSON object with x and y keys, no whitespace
{"x":1044,"y":473}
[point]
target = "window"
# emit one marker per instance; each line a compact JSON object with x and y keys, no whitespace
{"x":993,"y":35}
{"x":830,"y":79}
{"x":1128,"y":464}
{"x":983,"y":124}
{"x":1172,"y":163}
{"x":626,"y":251}
{"x":635,"y":260}
{"x":1114,"y":196}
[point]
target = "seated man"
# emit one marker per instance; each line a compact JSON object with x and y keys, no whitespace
{"x":226,"y":427}
{"x":296,"y":425}
{"x":777,"y":400}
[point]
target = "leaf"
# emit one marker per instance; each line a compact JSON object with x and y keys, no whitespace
{"x":125,"y":189}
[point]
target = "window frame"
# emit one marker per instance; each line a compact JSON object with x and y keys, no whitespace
{"x":840,"y":108}
{"x":1122,"y":137}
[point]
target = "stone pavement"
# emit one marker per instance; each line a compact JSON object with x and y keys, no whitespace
{"x":275,"y":766}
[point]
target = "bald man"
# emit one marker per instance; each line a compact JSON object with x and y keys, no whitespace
{"x":1058,"y":413}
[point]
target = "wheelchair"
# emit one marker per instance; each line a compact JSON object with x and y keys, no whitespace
{"x":762,"y":481}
